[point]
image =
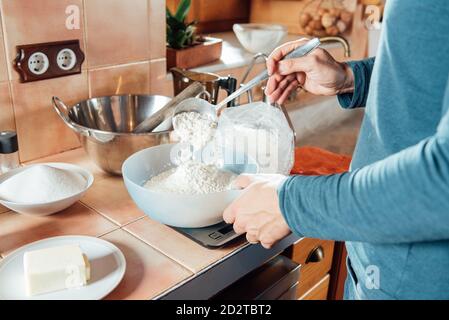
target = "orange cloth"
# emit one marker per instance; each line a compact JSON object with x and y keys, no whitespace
{"x":315,"y":161}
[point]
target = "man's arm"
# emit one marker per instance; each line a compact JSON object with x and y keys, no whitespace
{"x":362,"y":75}
{"x":403,"y":198}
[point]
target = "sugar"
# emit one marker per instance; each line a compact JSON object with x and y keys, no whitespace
{"x":42,"y":184}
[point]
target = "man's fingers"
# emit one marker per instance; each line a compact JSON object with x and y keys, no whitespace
{"x":281,"y":86}
{"x":282,"y":92}
{"x":230,"y":212}
{"x":252,"y":237}
{"x":281,"y":51}
{"x":240,"y":223}
{"x":250,"y":222}
{"x":271,"y":66}
{"x":301,"y":78}
{"x":284,"y":96}
{"x":272,"y":232}
{"x":302,"y":64}
{"x":273,"y":82}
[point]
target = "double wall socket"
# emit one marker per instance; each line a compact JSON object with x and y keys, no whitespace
{"x":48,"y":60}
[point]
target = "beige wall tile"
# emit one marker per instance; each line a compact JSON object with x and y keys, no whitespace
{"x":148,"y":272}
{"x":40,"y":130}
{"x":110,"y":198}
{"x":28,"y":22}
{"x":124,"y":79}
{"x":117,"y":31}
{"x":177,"y":246}
{"x":3,"y":61}
{"x":160,"y":83}
{"x":18,"y":230}
{"x":157,"y":29}
{"x":6,"y":110}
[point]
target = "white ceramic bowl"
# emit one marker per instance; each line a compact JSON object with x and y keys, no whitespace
{"x":47,"y":208}
{"x":260,"y":38}
{"x":177,"y":210}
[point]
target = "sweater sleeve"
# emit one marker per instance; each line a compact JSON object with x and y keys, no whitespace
{"x":400,"y":199}
{"x":362,"y":75}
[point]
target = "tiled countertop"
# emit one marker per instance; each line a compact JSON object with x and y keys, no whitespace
{"x":159,"y":259}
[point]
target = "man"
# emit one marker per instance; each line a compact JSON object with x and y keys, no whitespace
{"x":392,"y":208}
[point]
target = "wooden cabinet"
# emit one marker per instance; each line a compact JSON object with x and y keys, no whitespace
{"x":319,"y":291}
{"x":315,"y":257}
{"x":216,"y":16}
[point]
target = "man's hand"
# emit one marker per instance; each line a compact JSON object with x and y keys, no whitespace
{"x":318,"y":73}
{"x":256,"y":212}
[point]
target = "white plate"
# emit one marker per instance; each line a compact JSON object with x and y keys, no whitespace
{"x":108,"y":266}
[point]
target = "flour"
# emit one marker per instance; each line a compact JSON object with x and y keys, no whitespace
{"x":194,"y":128}
{"x":191,"y":178}
{"x":42,"y":184}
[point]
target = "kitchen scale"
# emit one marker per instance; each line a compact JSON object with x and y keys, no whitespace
{"x":212,"y":237}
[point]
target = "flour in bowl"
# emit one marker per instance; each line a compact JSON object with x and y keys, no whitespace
{"x":191,"y":178}
{"x":42,"y":184}
{"x":195,"y":128}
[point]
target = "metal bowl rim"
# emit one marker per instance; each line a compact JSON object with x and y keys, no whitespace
{"x":83,"y":128}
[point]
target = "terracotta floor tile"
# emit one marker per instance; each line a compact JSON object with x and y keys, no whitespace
{"x":177,"y":246}
{"x":148,"y":272}
{"x":77,"y":157}
{"x":17,"y":230}
{"x":109,"y":197}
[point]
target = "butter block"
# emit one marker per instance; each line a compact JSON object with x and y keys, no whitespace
{"x":53,"y":269}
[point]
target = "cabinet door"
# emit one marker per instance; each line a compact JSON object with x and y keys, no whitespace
{"x":315,"y":257}
{"x":319,"y":291}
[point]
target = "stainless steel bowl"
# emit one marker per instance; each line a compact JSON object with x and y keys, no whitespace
{"x":104,"y":126}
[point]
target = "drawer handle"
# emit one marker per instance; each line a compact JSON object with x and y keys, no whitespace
{"x":316,"y":255}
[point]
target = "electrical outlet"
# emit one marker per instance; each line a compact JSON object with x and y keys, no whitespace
{"x":38,"y":63}
{"x":66,"y":59}
{"x":48,"y":60}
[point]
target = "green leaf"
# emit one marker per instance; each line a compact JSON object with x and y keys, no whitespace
{"x":168,"y":12}
{"x":183,"y":10}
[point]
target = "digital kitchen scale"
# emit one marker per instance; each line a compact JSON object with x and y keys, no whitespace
{"x":212,"y":237}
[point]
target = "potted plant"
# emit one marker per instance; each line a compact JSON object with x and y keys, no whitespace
{"x":185,"y":49}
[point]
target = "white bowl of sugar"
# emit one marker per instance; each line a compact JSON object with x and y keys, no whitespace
{"x":44,"y":189}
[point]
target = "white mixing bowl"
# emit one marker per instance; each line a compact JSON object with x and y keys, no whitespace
{"x":178,"y":210}
{"x":260,"y":38}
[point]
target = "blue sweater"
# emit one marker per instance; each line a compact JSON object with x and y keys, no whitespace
{"x":392,"y":208}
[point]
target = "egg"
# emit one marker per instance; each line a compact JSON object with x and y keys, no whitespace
{"x":328,"y":20}
{"x":332,"y":31}
{"x":346,"y":17}
{"x":341,"y":26}
{"x":304,"y":19}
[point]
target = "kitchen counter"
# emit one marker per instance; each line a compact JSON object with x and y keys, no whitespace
{"x":235,"y":56}
{"x":161,"y":263}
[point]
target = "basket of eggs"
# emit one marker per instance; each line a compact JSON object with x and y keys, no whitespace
{"x":321,"y":18}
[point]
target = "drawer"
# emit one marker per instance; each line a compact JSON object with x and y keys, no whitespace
{"x":319,"y":291}
{"x":315,"y":257}
{"x":267,"y":282}
{"x":290,"y":294}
